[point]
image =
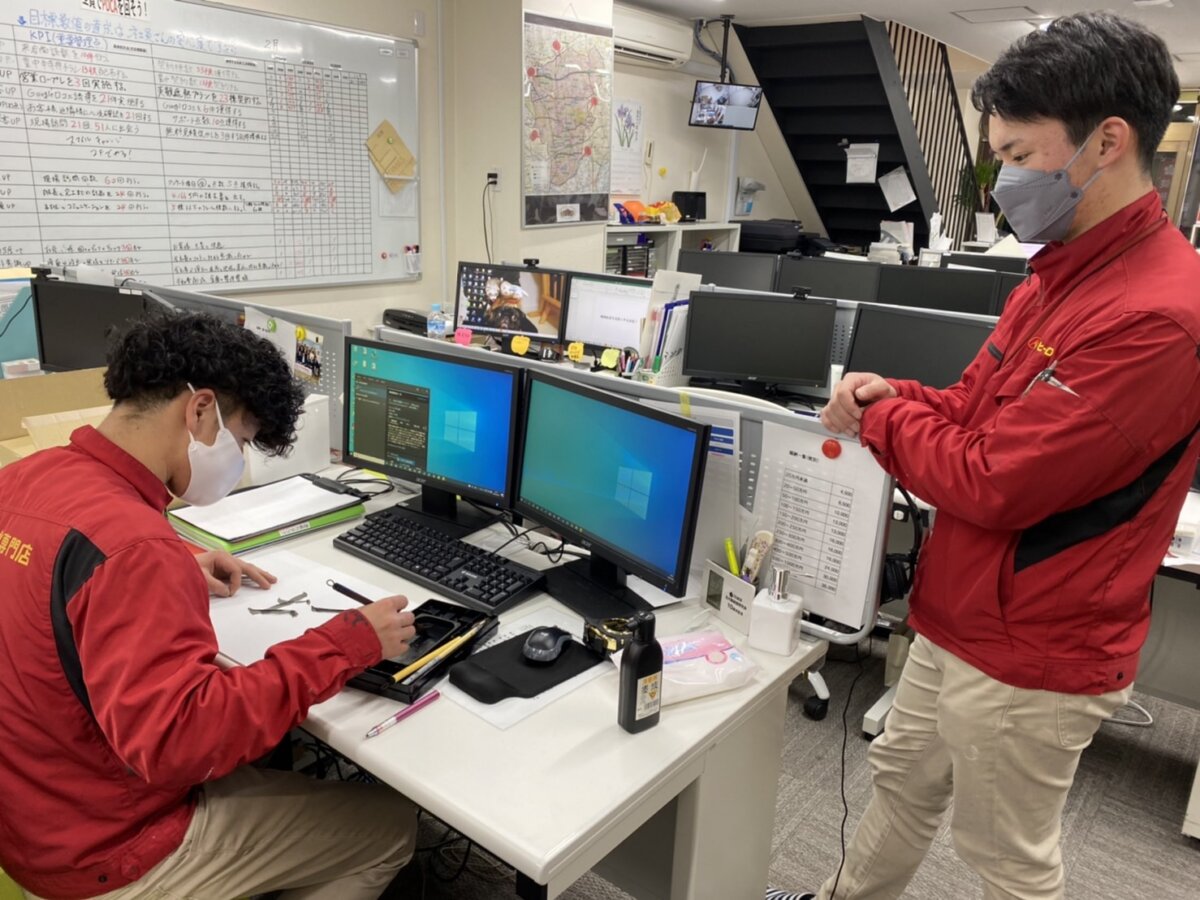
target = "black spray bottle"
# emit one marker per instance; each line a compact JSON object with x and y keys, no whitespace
{"x":641,"y":678}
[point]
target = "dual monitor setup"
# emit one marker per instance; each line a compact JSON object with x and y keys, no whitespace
{"x":785,"y":344}
{"x":976,"y":291}
{"x":551,"y":305}
{"x":605,"y":472}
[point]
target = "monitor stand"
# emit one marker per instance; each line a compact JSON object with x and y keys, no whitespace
{"x":442,"y":511}
{"x":594,"y":588}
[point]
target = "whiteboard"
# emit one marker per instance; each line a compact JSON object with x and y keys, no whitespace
{"x":196,"y":145}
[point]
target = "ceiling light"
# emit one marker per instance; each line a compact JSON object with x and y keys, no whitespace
{"x":998,"y":14}
{"x":1147,"y":3}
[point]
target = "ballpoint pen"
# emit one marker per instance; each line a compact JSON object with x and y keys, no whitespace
{"x":347,"y":592}
{"x":402,"y":714}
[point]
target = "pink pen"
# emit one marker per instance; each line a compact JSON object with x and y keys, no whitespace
{"x":403,"y":714}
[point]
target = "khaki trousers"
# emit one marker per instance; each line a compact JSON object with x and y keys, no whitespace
{"x":259,"y":830}
{"x":1005,"y":755}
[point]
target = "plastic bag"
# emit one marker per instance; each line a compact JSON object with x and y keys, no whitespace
{"x":700,"y":663}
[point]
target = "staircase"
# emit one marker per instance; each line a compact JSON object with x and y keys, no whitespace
{"x":837,"y":83}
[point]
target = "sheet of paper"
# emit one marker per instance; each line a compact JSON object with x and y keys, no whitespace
{"x":398,"y":199}
{"x":985,"y":227}
{"x":861,"y":162}
{"x":263,"y":508}
{"x":391,"y":156}
{"x":245,"y":638}
{"x":897,"y":189}
{"x":628,"y":139}
{"x":507,"y":713}
{"x":279,"y":332}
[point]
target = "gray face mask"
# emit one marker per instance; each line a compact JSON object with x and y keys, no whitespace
{"x":1040,"y":206}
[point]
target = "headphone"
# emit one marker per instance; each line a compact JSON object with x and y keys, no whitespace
{"x":898,"y":568}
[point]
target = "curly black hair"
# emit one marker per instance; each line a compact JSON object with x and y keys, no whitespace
{"x":1081,"y":70}
{"x":157,"y":356}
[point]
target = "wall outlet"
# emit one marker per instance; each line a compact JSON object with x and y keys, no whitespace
{"x":493,"y":178}
{"x":418,"y":24}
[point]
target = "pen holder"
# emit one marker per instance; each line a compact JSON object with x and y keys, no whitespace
{"x":728,"y":595}
{"x":412,"y":263}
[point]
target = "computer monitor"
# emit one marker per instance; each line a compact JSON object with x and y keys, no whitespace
{"x":951,"y":290}
{"x":930,"y":347}
{"x":1014,"y":264}
{"x":444,"y":421}
{"x":766,"y":338}
{"x":617,"y":477}
{"x":836,"y":278}
{"x":742,"y":271}
{"x":606,"y":310}
{"x":75,"y":321}
{"x":717,"y":105}
{"x":510,"y":300}
{"x":1006,"y":283}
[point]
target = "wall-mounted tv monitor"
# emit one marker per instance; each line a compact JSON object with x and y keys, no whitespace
{"x":716,"y":105}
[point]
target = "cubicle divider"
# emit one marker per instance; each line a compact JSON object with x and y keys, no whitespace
{"x":825,"y":498}
{"x":321,"y":338}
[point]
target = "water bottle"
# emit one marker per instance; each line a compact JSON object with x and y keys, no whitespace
{"x":435,"y":327}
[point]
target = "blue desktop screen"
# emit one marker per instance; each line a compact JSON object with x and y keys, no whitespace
{"x":608,"y":472}
{"x":431,"y":417}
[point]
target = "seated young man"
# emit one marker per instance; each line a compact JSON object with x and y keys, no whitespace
{"x":123,"y":770}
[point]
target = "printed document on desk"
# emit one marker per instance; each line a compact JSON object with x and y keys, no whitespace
{"x":245,"y":638}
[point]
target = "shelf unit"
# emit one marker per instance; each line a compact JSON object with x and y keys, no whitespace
{"x":670,"y":239}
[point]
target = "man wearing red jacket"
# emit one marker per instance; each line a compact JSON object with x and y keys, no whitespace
{"x":123,"y":766}
{"x":1058,"y":466}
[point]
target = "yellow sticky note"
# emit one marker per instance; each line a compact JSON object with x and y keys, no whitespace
{"x":575,"y":351}
{"x":609,"y":357}
{"x":520,"y":343}
{"x":685,"y":404}
{"x":301,"y":333}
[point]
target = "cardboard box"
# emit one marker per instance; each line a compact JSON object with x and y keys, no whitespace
{"x":56,"y":392}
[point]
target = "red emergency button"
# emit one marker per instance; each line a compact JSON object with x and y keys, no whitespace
{"x":832,"y":449}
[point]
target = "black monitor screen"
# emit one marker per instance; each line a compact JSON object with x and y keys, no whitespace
{"x":716,"y":105}
{"x":621,"y":477}
{"x":741,"y":271}
{"x":929,"y":347}
{"x":606,"y":310}
{"x":510,"y":300}
{"x":74,"y":321}
{"x":431,"y":417}
{"x":1006,"y":283}
{"x":836,"y":278}
{"x":952,"y":290}
{"x":751,"y":337}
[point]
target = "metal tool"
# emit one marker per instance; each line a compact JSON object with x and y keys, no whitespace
{"x":273,"y":609}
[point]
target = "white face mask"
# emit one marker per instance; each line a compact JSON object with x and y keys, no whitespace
{"x":216,"y":468}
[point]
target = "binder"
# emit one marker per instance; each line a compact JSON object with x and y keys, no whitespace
{"x":256,"y":516}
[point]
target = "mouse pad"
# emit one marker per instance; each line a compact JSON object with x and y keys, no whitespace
{"x":502,"y":671}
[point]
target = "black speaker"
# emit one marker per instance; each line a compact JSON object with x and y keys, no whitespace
{"x":692,"y":205}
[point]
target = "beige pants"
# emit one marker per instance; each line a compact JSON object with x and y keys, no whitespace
{"x":1006,"y":756}
{"x":259,"y":830}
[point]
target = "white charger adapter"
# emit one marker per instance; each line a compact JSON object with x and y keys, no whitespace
{"x":775,"y":617}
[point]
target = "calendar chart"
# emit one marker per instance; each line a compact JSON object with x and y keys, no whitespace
{"x":217,"y":149}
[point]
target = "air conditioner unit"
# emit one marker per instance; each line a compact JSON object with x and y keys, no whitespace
{"x":650,"y":39}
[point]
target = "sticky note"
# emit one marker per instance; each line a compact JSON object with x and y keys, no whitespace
{"x":685,"y":404}
{"x":301,"y":332}
{"x":462,"y":336}
{"x":609,"y":358}
{"x":575,"y":351}
{"x":520,"y":344}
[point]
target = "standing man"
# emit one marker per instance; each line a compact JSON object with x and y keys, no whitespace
{"x":1058,"y":465}
{"x":123,"y":765}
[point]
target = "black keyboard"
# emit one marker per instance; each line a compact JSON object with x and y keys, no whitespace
{"x":476,"y":578}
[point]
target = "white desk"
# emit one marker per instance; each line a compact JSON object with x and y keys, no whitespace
{"x":684,"y":810}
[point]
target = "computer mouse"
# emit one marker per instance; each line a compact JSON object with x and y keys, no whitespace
{"x":543,"y":645}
